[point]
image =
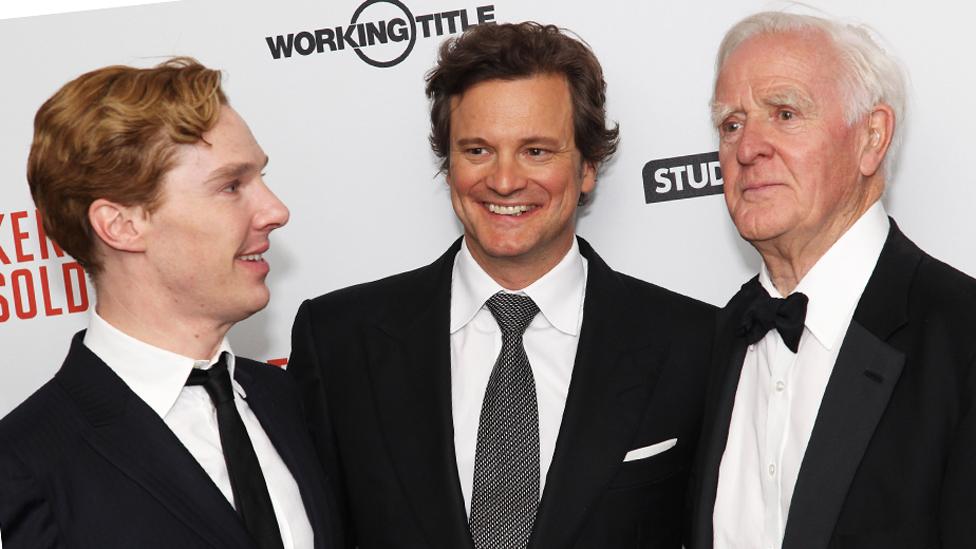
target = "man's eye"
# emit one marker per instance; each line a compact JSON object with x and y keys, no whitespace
{"x":539,"y":153}
{"x":730,"y":126}
{"x":476,"y":151}
{"x":786,"y":115}
{"x":232,"y":187}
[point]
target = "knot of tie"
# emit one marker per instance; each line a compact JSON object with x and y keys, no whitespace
{"x":786,"y":315}
{"x":215,"y":380}
{"x":512,"y":312}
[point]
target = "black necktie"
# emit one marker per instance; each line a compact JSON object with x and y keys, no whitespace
{"x":786,"y":315}
{"x":246,"y":479}
{"x":506,"y":461}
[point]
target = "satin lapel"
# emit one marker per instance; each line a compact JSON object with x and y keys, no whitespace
{"x":410,"y":371}
{"x":613,"y":379}
{"x":729,"y":353}
{"x":856,"y":397}
{"x":282,"y":421}
{"x":128,"y":434}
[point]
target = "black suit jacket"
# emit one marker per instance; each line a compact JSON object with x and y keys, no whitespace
{"x":891,"y":461}
{"x":84,"y":462}
{"x":373,"y":364}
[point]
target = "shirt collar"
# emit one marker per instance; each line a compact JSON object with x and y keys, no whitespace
{"x":155,"y":375}
{"x":558,"y":293}
{"x":836,"y":281}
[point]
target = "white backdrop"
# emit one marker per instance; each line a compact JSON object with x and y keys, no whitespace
{"x":349,"y":153}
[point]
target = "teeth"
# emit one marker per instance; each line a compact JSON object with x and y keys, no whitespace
{"x":508,"y":210}
{"x":251,"y":257}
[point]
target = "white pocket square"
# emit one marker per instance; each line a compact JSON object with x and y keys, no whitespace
{"x":652,"y":450}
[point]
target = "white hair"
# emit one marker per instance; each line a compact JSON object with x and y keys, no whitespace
{"x":871,"y":76}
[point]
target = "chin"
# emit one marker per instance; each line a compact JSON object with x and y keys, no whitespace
{"x":256,"y":303}
{"x":507,"y":250}
{"x":753,"y":233}
{"x":760,"y":224}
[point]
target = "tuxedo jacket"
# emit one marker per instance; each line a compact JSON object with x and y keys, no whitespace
{"x":891,"y":461}
{"x":373,"y":365}
{"x":84,"y":462}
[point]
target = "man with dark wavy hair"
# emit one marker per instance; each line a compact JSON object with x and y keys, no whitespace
{"x":517,"y":391}
{"x":153,"y":433}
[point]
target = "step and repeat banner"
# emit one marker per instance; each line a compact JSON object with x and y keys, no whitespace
{"x":333,"y":91}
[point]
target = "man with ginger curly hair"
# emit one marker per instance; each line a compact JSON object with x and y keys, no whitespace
{"x":153,"y":433}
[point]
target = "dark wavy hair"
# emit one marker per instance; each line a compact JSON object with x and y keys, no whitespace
{"x":519,"y":50}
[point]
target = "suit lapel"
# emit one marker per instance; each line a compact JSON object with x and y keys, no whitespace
{"x":729,"y":353}
{"x":856,"y":397}
{"x":128,"y":434}
{"x":282,"y":422}
{"x":410,"y":369}
{"x":613,"y":379}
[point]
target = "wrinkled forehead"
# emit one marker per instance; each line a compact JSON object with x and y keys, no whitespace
{"x":789,"y":62}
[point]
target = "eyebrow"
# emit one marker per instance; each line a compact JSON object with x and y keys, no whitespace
{"x":789,"y":98}
{"x":720,"y":111}
{"x":469,"y":142}
{"x":478,"y":141}
{"x":785,"y":98}
{"x":235,"y":169}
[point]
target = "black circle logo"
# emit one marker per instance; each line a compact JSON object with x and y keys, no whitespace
{"x":411,"y":25}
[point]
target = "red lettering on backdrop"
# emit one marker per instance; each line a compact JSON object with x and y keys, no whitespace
{"x":46,"y":295}
{"x":69,"y":288}
{"x":18,"y":292}
{"x":3,"y":256}
{"x":43,"y":240}
{"x":19,"y":237}
{"x":4,"y":308}
{"x":19,"y":300}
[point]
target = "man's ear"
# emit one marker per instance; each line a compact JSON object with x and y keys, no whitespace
{"x":588,"y":177}
{"x":119,"y":227}
{"x":880,"y":129}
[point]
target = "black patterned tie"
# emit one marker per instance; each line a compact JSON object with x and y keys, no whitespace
{"x":786,"y":315}
{"x":506,"y":461}
{"x":246,"y":479}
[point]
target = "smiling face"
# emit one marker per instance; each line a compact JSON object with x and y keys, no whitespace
{"x":204,"y":241}
{"x":515,"y":173}
{"x":790,"y":160}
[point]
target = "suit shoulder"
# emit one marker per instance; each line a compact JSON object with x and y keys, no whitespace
{"x":38,"y":424}
{"x":939,"y":288}
{"x":655,"y":309}
{"x":374,"y":292}
{"x":652,"y":295}
{"x":370,"y":298}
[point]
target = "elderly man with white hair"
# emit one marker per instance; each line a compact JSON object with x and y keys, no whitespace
{"x":841,"y":407}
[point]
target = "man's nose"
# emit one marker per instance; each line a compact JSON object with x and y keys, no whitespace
{"x":507,"y":177}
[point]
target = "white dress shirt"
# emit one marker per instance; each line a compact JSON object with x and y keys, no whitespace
{"x":550,"y":343}
{"x":779,"y":392}
{"x":158,"y":376}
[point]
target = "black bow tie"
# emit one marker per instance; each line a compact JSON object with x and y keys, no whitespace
{"x":786,"y":315}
